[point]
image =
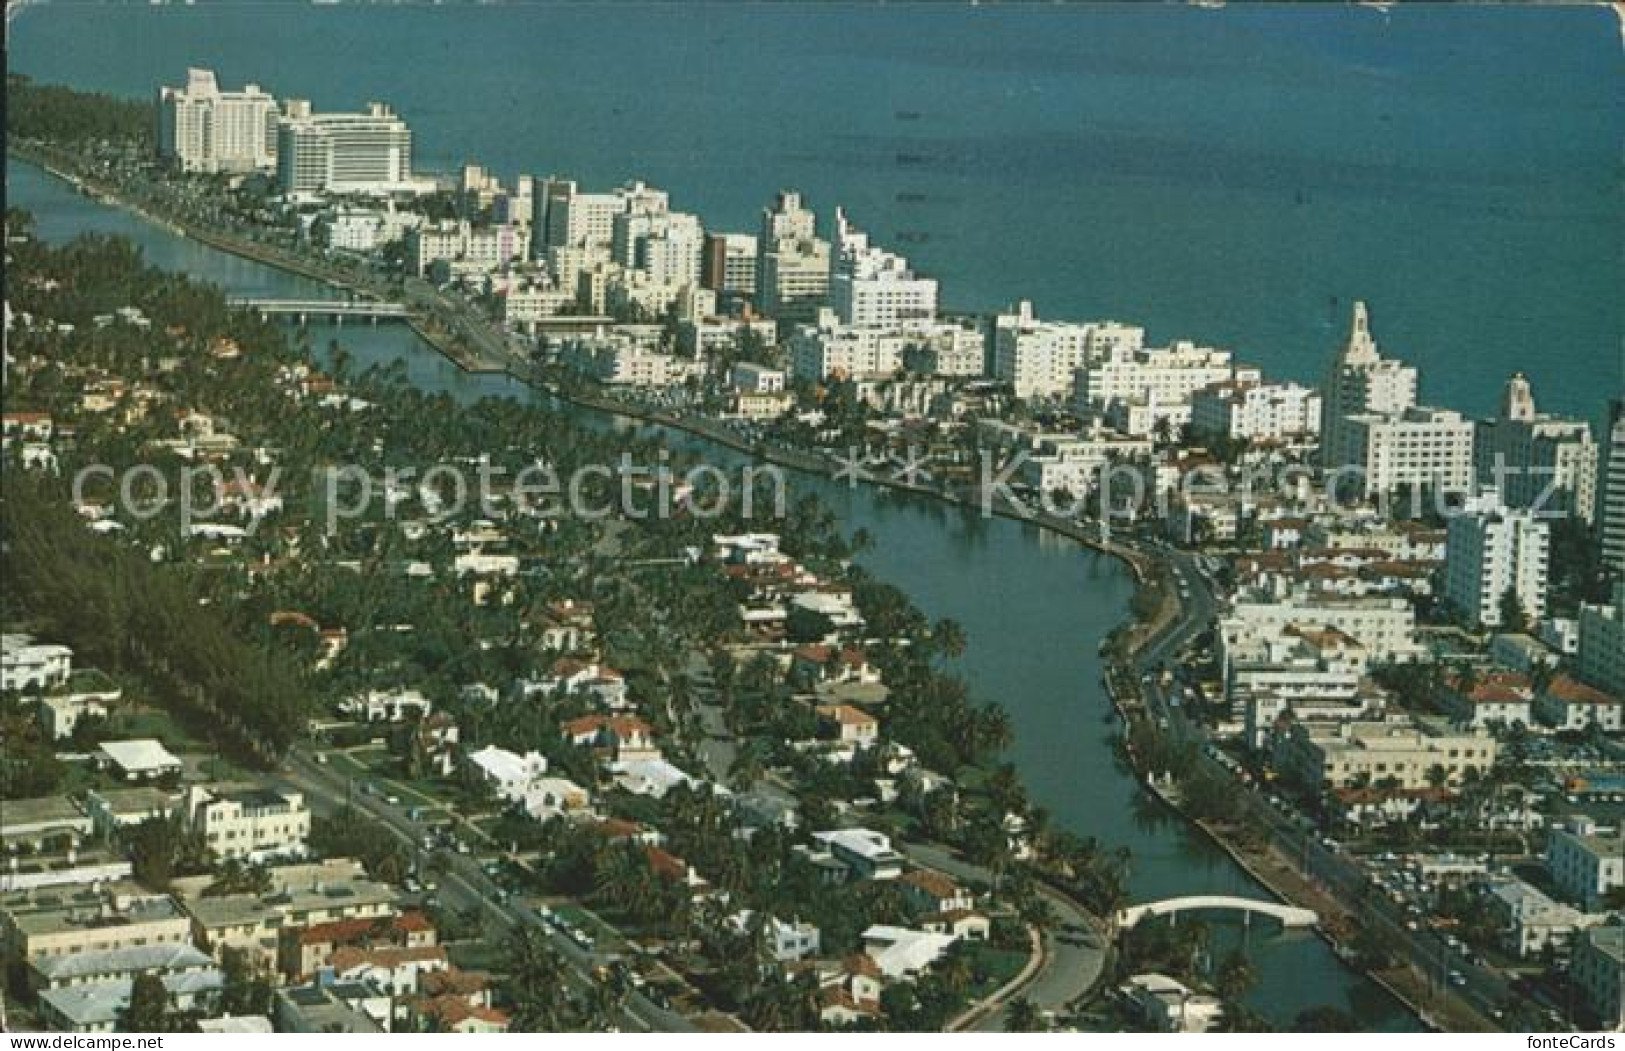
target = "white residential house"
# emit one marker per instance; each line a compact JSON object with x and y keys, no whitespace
{"x":786,"y":942}
{"x":29,"y":665}
{"x":249,"y":824}
{"x":1170,"y":1005}
{"x":903,"y":954}
{"x":387,"y":706}
{"x":143,"y":759}
{"x":866,"y":854}
{"x":523,"y":779}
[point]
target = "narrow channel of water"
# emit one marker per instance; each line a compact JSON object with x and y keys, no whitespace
{"x":1034,"y":607}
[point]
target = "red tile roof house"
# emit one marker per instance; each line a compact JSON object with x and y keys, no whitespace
{"x":620,"y":736}
{"x":29,"y":426}
{"x":850,"y":725}
{"x":1499,"y":697}
{"x":305,"y":950}
{"x":453,"y":1014}
{"x":850,"y":993}
{"x":1569,"y":704}
{"x":397,"y":971}
{"x":674,"y":869}
{"x":572,"y":677}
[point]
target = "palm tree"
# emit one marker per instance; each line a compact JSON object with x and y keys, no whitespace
{"x":1023,"y":1016}
{"x":1235,"y":975}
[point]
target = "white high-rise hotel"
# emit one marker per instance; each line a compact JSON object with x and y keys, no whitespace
{"x":336,"y":153}
{"x":207,"y":131}
{"x":792,"y":261}
{"x":1611,"y":494}
{"x":1493,"y":550}
{"x":1039,"y":358}
{"x":667,"y":246}
{"x":871,"y":287}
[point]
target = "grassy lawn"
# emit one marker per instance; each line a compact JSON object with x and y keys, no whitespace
{"x":485,"y":954}
{"x":138,"y":722}
{"x":998,"y":965}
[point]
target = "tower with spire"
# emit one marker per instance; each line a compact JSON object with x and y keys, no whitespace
{"x":1537,"y":459}
{"x":1360,"y":382}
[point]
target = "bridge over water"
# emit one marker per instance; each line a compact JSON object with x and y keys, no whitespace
{"x":1288,"y":915}
{"x":333,"y":309}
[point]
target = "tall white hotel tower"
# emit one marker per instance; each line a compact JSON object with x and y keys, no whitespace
{"x":205,"y":130}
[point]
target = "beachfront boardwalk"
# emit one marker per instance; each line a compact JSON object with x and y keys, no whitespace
{"x":1289,"y":915}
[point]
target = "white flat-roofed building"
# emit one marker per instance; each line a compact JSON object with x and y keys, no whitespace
{"x":756,"y":379}
{"x":527,"y":304}
{"x":1159,"y":381}
{"x":1257,"y":412}
{"x":509,"y":773}
{"x":205,"y":130}
{"x":72,"y":921}
{"x":1602,"y":643}
{"x":138,"y":760}
{"x":483,"y":249}
{"x":1426,"y":448}
{"x":569,"y":217}
{"x":1384,"y":626}
{"x":704,"y":335}
{"x":368,"y":154}
{"x":949,"y":348}
{"x":1586,"y":864}
{"x":1040,"y":359}
{"x":1532,"y":920}
{"x":621,"y":362}
{"x":871,"y":287}
{"x":866,"y":853}
{"x":1492,"y":551}
{"x":364,"y":230}
{"x":833,"y":349}
{"x":1392,"y":752}
{"x":666,"y":246}
{"x":251,"y":824}
{"x":29,"y":665}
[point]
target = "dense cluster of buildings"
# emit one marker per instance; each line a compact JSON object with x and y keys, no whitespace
{"x":1334,"y":598}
